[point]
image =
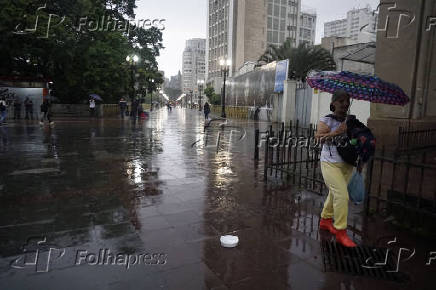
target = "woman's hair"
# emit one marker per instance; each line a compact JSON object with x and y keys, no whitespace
{"x":336,"y":96}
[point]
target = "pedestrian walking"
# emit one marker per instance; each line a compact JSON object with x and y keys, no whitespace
{"x":206,"y":110}
{"x":92,"y":107}
{"x":28,"y":105}
{"x":336,"y":172}
{"x":256,"y":114}
{"x":17,"y":109}
{"x":3,"y":110}
{"x":123,"y":107}
{"x":46,"y":110}
{"x":134,"y":109}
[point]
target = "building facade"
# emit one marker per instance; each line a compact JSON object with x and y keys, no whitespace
{"x":241,"y":31}
{"x":360,"y":25}
{"x":176,"y":82}
{"x":194,"y":64}
{"x":307,"y":30}
{"x":283,"y":21}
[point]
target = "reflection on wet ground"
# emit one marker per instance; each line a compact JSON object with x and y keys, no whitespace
{"x":110,"y":204}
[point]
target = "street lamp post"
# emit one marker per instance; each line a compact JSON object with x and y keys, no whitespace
{"x":151,"y":92}
{"x":200,"y":88}
{"x":192,"y":92}
{"x":132,"y":60}
{"x":225,"y":68}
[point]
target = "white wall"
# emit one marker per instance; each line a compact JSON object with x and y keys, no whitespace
{"x":321,"y":107}
{"x":35,"y":94}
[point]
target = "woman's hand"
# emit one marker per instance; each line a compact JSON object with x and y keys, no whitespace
{"x":342,"y":129}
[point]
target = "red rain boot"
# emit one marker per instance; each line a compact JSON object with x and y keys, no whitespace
{"x":327,"y":224}
{"x":343,"y":239}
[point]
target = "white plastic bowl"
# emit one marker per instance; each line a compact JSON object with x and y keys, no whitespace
{"x":229,"y":241}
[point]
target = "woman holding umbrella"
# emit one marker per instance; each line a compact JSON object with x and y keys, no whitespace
{"x":335,"y":171}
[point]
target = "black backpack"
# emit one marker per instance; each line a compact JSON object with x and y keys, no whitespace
{"x":358,"y":144}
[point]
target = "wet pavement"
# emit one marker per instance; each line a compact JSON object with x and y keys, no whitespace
{"x":111,"y":204}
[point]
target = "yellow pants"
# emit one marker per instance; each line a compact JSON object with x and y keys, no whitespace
{"x":336,"y":177}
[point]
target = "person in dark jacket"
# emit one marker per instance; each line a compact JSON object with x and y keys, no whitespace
{"x":206,"y":110}
{"x":28,"y":105}
{"x":46,"y":110}
{"x":123,"y":107}
{"x":134,"y":110}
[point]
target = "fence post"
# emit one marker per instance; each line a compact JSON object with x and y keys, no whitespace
{"x":256,"y":145}
{"x":265,"y":167}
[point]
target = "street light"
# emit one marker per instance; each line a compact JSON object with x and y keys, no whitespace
{"x":132,"y":60}
{"x":151,"y":92}
{"x":225,"y":68}
{"x":200,"y":88}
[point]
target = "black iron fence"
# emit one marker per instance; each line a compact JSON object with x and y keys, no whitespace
{"x":402,"y":184}
{"x":412,"y":140}
{"x":292,"y":154}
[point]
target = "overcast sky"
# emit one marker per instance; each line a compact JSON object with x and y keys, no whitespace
{"x":186,"y":19}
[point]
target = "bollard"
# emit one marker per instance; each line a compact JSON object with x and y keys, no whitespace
{"x":256,"y":148}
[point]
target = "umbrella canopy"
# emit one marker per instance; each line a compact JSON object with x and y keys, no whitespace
{"x":96,"y":97}
{"x":360,"y":87}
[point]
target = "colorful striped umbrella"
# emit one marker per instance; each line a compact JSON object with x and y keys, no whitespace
{"x":360,"y":87}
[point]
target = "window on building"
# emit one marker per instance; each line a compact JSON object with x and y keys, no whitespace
{"x":282,"y":25}
{"x":283,"y":12}
{"x":275,"y":23}
{"x":275,"y":36}
{"x":276,"y":10}
{"x":269,"y":36}
{"x":281,"y":37}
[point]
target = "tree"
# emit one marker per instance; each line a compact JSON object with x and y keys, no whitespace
{"x":302,"y":59}
{"x":214,"y":99}
{"x":172,"y":93}
{"x":78,"y":61}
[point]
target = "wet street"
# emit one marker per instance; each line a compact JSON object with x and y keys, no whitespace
{"x":111,"y":204}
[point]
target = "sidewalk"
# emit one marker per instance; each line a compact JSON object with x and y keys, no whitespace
{"x":167,"y":187}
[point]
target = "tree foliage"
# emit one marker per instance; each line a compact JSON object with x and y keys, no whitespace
{"x":78,"y":61}
{"x":302,"y":59}
{"x":214,"y":99}
{"x":172,"y":93}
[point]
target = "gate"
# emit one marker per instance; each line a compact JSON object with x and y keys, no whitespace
{"x":303,"y":104}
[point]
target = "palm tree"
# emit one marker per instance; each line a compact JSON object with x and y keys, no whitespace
{"x":302,"y":59}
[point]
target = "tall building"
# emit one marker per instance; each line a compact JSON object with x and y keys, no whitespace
{"x":283,"y":21}
{"x":307,"y":27}
{"x":176,"y":81}
{"x":241,"y":30}
{"x":360,"y":25}
{"x":194,"y":64}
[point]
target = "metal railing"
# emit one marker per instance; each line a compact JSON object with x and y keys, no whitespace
{"x":402,"y":185}
{"x":235,"y":112}
{"x":292,"y":154}
{"x":412,"y":140}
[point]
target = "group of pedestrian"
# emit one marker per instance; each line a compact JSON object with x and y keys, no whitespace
{"x":17,"y":105}
{"x":136,"y":109}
